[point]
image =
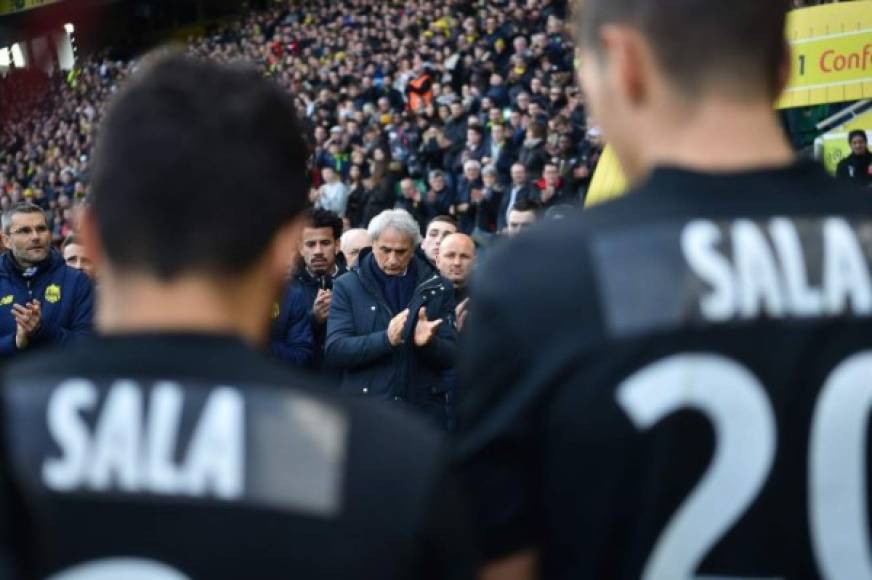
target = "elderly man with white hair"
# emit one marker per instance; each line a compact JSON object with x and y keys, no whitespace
{"x":390,"y":329}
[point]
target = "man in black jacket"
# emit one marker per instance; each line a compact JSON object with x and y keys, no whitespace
{"x":517,"y":191}
{"x":390,"y":328}
{"x":858,"y":165}
{"x":321,"y":264}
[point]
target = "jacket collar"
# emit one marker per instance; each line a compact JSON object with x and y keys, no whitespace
{"x":52,"y":262}
{"x":303,"y":275}
{"x":425,"y":268}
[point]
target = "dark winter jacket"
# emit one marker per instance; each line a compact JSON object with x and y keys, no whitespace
{"x":66,"y":300}
{"x":291,"y":337}
{"x":309,"y":285}
{"x":357,"y":340}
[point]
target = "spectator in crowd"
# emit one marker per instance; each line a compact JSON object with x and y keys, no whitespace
{"x":75,"y":257}
{"x":357,"y":195}
{"x":475,"y":148}
{"x":439,"y":199}
{"x":322,"y":264}
{"x":499,"y":151}
{"x":351,"y":243}
{"x":518,"y":190}
{"x":487,"y":207}
{"x":390,"y":328}
{"x":550,"y":188}
{"x":45,"y":301}
{"x":858,"y":165}
{"x":532,"y":154}
{"x":437,"y":230}
{"x":386,"y":92}
{"x":333,"y":195}
{"x":291,"y":337}
{"x":470,"y":193}
{"x":522,"y":215}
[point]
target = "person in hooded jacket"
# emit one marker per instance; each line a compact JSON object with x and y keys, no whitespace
{"x":42,"y":300}
{"x":390,"y":329}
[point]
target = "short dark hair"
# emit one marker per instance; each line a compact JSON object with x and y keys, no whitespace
{"x":322,"y":218}
{"x":697,"y":41}
{"x":197,"y":166}
{"x":526,"y":205}
{"x":17,"y":208}
{"x":70,"y":240}
{"x":857,"y":133}
{"x":445,"y":219}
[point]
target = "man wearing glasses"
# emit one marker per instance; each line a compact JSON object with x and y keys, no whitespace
{"x":42,"y":300}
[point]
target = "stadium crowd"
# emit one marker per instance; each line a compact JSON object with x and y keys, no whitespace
{"x":441,"y":94}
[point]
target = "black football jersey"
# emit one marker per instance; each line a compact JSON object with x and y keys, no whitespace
{"x":193,"y":457}
{"x":677,"y":384}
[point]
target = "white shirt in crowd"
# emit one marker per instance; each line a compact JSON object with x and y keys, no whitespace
{"x":334,"y":197}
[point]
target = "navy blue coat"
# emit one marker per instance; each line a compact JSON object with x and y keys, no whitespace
{"x":66,"y":299}
{"x":357,"y":340}
{"x":309,"y":285}
{"x":291,"y":337}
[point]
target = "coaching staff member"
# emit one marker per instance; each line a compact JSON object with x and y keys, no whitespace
{"x":42,"y":300}
{"x":391,"y":327}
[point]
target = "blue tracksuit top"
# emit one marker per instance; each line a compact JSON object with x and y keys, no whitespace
{"x":66,"y":299}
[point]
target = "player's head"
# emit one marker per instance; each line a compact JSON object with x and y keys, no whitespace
{"x":198,"y":176}
{"x":640,"y":60}
{"x":320,"y":242}
{"x":859,"y":143}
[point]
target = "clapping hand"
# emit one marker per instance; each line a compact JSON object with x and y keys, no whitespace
{"x":425,"y":330}
{"x":28,"y":319}
{"x":461,"y":313}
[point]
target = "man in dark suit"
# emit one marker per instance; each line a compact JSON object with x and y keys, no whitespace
{"x":518,"y":190}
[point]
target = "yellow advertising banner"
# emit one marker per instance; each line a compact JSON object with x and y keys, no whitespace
{"x":11,"y":6}
{"x":831,"y":58}
{"x":608,"y":180}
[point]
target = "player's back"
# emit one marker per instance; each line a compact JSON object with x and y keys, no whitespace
{"x":690,"y":384}
{"x":191,"y":456}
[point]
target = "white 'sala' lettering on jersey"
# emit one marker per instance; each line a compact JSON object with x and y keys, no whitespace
{"x":133,"y":451}
{"x":774,"y":280}
{"x":116,"y":568}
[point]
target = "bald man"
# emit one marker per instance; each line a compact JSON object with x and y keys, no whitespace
{"x":352,"y":242}
{"x":455,"y":261}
